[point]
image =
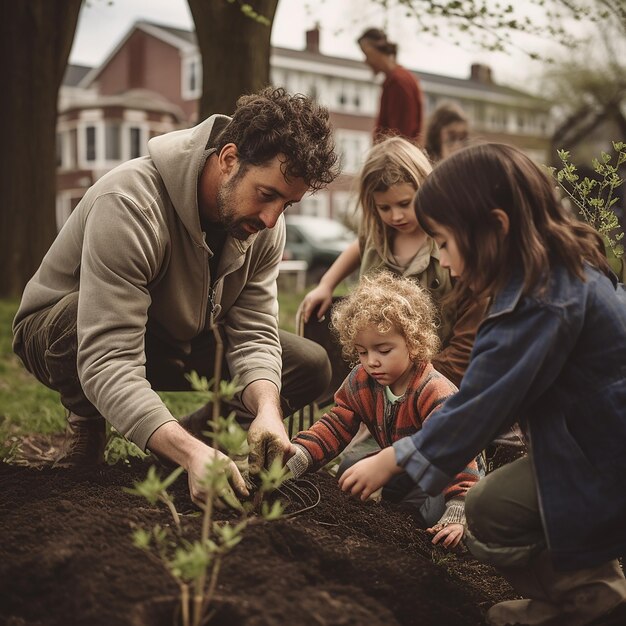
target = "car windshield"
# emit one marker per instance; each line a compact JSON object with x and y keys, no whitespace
{"x":329,"y":230}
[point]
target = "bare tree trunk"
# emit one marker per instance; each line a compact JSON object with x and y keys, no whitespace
{"x":35,"y":41}
{"x":235,"y":51}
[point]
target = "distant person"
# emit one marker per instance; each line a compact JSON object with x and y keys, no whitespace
{"x":158,"y":251}
{"x":446,"y":132}
{"x":401,"y":101}
{"x":387,"y":323}
{"x":551,"y":352}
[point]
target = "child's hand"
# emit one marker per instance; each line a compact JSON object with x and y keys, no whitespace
{"x":319,"y":298}
{"x":370,"y":474}
{"x":451,"y":534}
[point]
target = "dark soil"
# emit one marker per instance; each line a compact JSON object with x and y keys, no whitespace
{"x":66,"y":558}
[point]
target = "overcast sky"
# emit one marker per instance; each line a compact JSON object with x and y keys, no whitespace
{"x":102,"y":25}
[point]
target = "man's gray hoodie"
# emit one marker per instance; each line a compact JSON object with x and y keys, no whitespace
{"x":134,"y":250}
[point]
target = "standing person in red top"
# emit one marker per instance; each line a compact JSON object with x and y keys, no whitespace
{"x":401,"y":101}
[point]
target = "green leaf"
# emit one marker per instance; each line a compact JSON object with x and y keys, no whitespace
{"x":142,"y":538}
{"x":190,"y":562}
{"x":273,"y":512}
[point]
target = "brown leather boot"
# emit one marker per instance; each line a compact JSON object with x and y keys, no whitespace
{"x":85,"y":440}
{"x":574,"y":598}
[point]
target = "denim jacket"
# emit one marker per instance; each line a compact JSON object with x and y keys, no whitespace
{"x":557,"y":360}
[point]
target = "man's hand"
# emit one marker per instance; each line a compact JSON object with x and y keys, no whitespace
{"x":370,"y":474}
{"x":171,"y":441}
{"x":196,"y":470}
{"x":268,"y":440}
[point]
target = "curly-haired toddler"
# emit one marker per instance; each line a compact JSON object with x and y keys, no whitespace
{"x":388,"y":325}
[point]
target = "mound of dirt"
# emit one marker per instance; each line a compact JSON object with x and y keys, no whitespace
{"x":67,"y":558}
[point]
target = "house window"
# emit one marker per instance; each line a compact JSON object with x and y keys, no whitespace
{"x":193,"y":79}
{"x":112,"y":149}
{"x":73,"y":149}
{"x":90,"y":148}
{"x":352,"y":146}
{"x":135,"y":142}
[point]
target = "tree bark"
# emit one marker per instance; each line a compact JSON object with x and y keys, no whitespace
{"x":35,"y":41}
{"x":235,"y":51}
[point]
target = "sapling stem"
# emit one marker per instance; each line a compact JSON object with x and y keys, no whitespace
{"x":170,"y":505}
{"x":207,"y":518}
{"x":217,"y":564}
{"x":257,"y":501}
{"x":219,"y":354}
{"x":184,"y":603}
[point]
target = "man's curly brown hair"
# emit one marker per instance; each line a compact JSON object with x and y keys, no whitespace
{"x":271,"y":123}
{"x":387,"y":302}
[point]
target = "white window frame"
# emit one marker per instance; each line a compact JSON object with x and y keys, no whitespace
{"x":187,"y":63}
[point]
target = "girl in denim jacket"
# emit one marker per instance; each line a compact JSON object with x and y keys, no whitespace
{"x":551,"y":351}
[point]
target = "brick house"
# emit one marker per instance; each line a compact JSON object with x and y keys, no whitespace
{"x":151,"y":81}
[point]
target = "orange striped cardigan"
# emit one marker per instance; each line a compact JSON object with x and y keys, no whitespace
{"x":362,"y":399}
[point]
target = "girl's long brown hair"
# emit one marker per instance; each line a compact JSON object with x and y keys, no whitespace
{"x":461,"y":194}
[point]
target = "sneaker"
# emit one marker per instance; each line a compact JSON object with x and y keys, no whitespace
{"x":84,"y":443}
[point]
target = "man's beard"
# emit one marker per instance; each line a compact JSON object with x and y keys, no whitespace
{"x":226,"y":213}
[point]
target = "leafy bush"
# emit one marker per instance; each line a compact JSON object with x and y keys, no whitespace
{"x":595,"y":197}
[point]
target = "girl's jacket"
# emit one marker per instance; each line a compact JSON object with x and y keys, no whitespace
{"x":557,"y":360}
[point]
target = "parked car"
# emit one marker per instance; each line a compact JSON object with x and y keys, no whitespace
{"x":316,"y":240}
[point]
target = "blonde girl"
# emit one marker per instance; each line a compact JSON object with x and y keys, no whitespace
{"x":391,"y":238}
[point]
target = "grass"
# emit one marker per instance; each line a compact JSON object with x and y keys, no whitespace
{"x":27,"y":406}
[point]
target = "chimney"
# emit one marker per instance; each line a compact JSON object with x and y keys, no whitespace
{"x":481,"y":74}
{"x":313,"y":39}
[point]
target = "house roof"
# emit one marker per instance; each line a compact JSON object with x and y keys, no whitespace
{"x":189,"y":37}
{"x":74,"y":74}
{"x":184,"y":39}
{"x":139,"y":99}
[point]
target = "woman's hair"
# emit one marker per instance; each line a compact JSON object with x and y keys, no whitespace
{"x":393,"y":161}
{"x":271,"y":123}
{"x":388,"y":302}
{"x":445,"y":114}
{"x":462,"y":193}
{"x":378,"y":39}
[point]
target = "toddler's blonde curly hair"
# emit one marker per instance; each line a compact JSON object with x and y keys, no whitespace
{"x":388,"y":302}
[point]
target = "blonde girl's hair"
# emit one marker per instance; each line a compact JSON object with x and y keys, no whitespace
{"x":388,"y":302}
{"x":393,"y":161}
{"x":461,"y":195}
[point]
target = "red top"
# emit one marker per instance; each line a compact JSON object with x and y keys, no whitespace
{"x":401,"y":105}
